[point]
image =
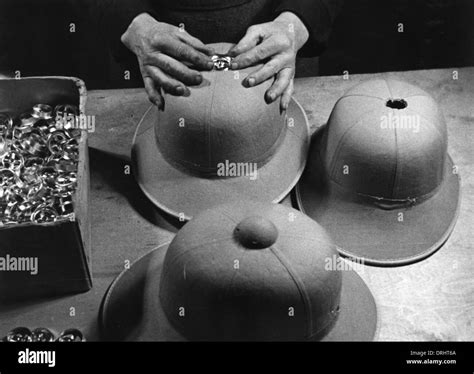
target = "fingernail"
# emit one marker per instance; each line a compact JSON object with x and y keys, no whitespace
{"x":251,"y":82}
{"x":269,"y":98}
{"x":210,"y":65}
{"x":179,"y":90}
{"x":198,"y":79}
{"x":234,"y":66}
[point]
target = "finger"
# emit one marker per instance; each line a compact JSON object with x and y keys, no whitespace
{"x":153,"y":92}
{"x":196,"y":43}
{"x":167,"y":84}
{"x":175,"y":69}
{"x":184,"y":52}
{"x":286,"y":96}
{"x":252,"y":37}
{"x":260,"y":52}
{"x":269,"y":70}
{"x":278,"y":87}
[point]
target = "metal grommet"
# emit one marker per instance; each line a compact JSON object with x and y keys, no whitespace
{"x":43,"y":214}
{"x":43,"y":111}
{"x":56,"y":141}
{"x":71,"y":335}
{"x":64,"y":181}
{"x":33,"y":144}
{"x":65,"y":188}
{"x":65,"y":109}
{"x":24,"y":212}
{"x":221,"y":62}
{"x":65,"y":205}
{"x":42,"y":127}
{"x":26,"y":122}
{"x":48,"y":175}
{"x":66,"y":116}
{"x":7,"y":177}
{"x":42,"y":334}
{"x":13,"y":161}
{"x":71,"y":150}
{"x":19,"y":334}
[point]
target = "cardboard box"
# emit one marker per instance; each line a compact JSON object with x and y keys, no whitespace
{"x":62,"y":249}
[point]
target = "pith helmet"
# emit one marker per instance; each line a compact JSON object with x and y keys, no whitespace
{"x":241,"y":271}
{"x":221,"y":143}
{"x":379,"y":178}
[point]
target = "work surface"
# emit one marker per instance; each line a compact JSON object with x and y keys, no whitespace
{"x":430,"y":300}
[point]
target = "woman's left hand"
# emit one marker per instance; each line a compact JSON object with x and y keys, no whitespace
{"x":275,"y":43}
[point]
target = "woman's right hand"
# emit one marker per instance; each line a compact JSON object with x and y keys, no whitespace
{"x":165,"y":55}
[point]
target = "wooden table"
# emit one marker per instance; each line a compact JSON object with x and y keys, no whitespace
{"x":430,"y":300}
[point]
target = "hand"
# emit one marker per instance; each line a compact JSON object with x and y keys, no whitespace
{"x":163,"y":53}
{"x":277,"y":43}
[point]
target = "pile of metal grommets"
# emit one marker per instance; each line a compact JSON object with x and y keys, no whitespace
{"x":42,"y":334}
{"x":38,"y":164}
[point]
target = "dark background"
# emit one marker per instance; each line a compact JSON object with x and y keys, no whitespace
{"x":35,"y":38}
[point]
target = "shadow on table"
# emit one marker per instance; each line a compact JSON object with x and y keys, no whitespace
{"x":109,"y":168}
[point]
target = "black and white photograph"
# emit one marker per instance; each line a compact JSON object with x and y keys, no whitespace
{"x":236,"y":171}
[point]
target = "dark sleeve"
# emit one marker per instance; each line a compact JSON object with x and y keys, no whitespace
{"x":117,"y":16}
{"x":318,"y":17}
